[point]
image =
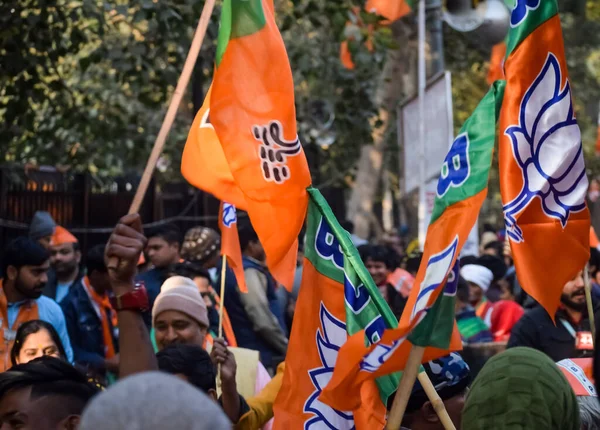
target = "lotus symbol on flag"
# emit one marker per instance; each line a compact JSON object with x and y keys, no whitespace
{"x":521,"y":9}
{"x":229,"y":214}
{"x":547,"y":147}
{"x":330,"y":339}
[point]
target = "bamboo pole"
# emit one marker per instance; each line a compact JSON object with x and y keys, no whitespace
{"x":405,"y":387}
{"x":436,"y":401}
{"x":221,"y":307}
{"x":588,"y":298}
{"x":167,"y":123}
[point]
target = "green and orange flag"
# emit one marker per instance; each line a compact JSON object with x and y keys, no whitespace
{"x":251,"y":127}
{"x":337,"y":299}
{"x":542,"y":173}
{"x":428,"y":318}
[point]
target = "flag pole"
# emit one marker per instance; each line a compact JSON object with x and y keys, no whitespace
{"x":167,"y":123}
{"x":588,"y":298}
{"x":409,"y":375}
{"x":436,"y":401}
{"x":421,"y":97}
{"x":221,"y":307}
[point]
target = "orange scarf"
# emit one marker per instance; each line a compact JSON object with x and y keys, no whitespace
{"x":102,"y":306}
{"x":28,"y":311}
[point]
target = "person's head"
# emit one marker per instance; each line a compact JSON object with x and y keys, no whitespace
{"x":573,"y":294}
{"x":495,"y":264}
{"x":494,"y":248}
{"x":462,"y":293}
{"x":42,"y":228}
{"x":35,"y":339}
{"x":163,"y":245}
{"x":96,"y":269}
{"x":507,"y":287}
{"x":379,"y":261}
{"x":195,"y":272}
{"x":201,"y":245}
{"x":479,"y":279}
{"x":192,"y":364}
{"x":179,"y":315}
{"x":450,"y":375}
{"x":413,"y":261}
{"x":520,"y":388}
{"x":249,"y":242}
{"x":65,"y":255}
{"x":153,"y":401}
{"x":25,"y":267}
{"x":589,"y":412}
{"x":44,"y":394}
{"x":594,"y":265}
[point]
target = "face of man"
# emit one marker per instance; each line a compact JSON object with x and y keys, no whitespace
{"x":475,"y":293}
{"x":378,"y":270}
{"x":173,"y":328}
{"x":256,"y":250}
{"x":19,"y":411}
{"x":573,"y":294}
{"x":161,"y":253}
{"x":505,"y":290}
{"x":100,"y":281}
{"x":65,"y":259}
{"x":29,"y":281}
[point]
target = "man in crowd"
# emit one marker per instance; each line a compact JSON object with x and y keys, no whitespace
{"x":472,"y":328}
{"x":42,"y":228}
{"x":479,"y":279}
{"x":44,"y":394}
{"x":570,"y":337}
{"x":379,"y":262}
{"x":202,"y":245}
{"x":91,"y":320}
{"x":163,"y":252}
{"x":65,"y":257}
{"x":25,"y":267}
{"x":255,"y":316}
{"x":450,"y":376}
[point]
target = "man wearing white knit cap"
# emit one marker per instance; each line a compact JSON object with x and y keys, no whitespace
{"x":479,"y":279}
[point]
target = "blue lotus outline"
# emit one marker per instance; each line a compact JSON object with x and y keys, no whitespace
{"x":229,"y":214}
{"x":521,"y":9}
{"x":526,"y":195}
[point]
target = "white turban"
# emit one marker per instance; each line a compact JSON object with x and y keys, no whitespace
{"x":479,"y":275}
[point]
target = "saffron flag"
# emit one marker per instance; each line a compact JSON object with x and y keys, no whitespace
{"x":254,"y":117}
{"x":230,"y":243}
{"x":337,"y":298}
{"x":496,"y":70}
{"x":203,"y":163}
{"x":428,"y":318}
{"x":392,"y":10}
{"x":542,"y":173}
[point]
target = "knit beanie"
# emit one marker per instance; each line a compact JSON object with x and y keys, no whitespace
{"x":200,"y":243}
{"x":479,"y":275}
{"x":42,"y":225}
{"x":520,"y":388}
{"x":153,"y":401}
{"x":181,"y":294}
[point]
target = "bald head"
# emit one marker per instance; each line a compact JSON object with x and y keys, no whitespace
{"x":153,"y":401}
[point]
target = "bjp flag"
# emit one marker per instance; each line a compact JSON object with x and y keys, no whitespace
{"x":392,"y":10}
{"x":254,"y":117}
{"x":543,"y":182}
{"x":203,"y":163}
{"x":337,"y":299}
{"x":428,"y":318}
{"x":230,"y":242}
{"x":496,"y":70}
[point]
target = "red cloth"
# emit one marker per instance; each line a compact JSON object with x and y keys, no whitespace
{"x":505,"y":315}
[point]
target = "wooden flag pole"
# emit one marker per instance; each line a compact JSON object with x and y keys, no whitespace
{"x":436,"y":401}
{"x":221,"y":307}
{"x":405,"y":387}
{"x":165,"y":128}
{"x":588,"y":298}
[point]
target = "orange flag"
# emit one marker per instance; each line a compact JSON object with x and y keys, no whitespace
{"x":254,"y":116}
{"x":390,"y":9}
{"x":203,"y":163}
{"x":346,"y":56}
{"x":543,"y":180}
{"x":496,"y":70}
{"x":230,"y":243}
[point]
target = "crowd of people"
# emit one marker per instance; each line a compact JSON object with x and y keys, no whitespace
{"x":74,"y":326}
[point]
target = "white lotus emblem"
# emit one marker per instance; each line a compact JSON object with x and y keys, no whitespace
{"x":547,"y":147}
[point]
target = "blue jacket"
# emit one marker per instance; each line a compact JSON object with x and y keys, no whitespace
{"x":85,"y":328}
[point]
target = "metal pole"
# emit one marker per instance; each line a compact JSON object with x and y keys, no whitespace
{"x":422,"y":83}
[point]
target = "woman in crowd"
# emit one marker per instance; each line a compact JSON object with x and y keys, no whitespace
{"x":36,"y":339}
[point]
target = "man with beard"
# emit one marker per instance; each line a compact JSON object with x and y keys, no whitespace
{"x":570,"y":337}
{"x":25,"y":267}
{"x":65,"y":257}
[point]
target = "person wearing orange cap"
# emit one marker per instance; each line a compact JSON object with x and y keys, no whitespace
{"x":65,"y":257}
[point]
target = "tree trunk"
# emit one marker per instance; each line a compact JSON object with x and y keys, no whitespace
{"x":370,"y":163}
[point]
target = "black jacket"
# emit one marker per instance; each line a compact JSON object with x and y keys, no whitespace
{"x":536,"y":330}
